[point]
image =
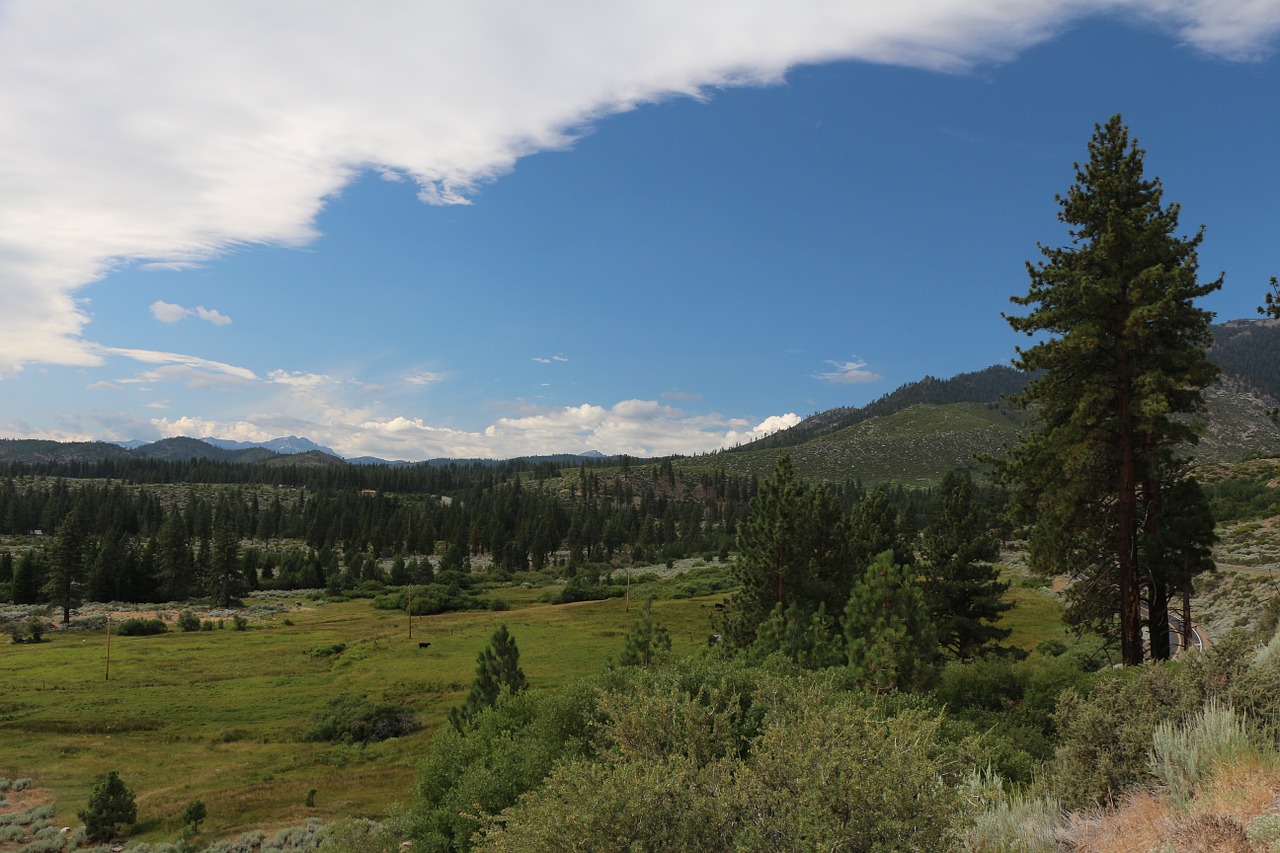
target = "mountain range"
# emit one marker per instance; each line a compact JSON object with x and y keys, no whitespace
{"x":912,"y":436}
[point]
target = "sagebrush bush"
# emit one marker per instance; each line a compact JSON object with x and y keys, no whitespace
{"x":10,"y":834}
{"x":43,"y":845}
{"x":1264,"y":829}
{"x":1184,"y":755}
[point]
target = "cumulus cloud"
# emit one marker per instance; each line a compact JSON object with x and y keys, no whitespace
{"x":169,"y":312}
{"x":165,"y":133}
{"x":848,"y":373}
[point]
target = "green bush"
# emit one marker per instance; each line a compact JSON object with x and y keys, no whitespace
{"x":816,"y":774}
{"x":141,"y":627}
{"x":327,"y":651}
{"x":430,"y":599}
{"x":357,"y":719}
{"x":188,"y":621}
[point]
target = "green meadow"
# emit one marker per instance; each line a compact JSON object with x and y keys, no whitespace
{"x":221,"y":715}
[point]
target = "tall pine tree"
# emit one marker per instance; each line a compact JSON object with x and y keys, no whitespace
{"x":1122,"y":361}
{"x":962,"y":586}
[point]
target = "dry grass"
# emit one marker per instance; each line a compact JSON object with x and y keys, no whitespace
{"x":1215,"y":820}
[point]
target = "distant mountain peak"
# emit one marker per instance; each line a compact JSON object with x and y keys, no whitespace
{"x":287,"y":445}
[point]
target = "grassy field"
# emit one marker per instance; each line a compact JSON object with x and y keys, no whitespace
{"x":220,"y":715}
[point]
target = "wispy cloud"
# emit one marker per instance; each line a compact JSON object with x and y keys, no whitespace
{"x":426,"y":377}
{"x":848,"y":373}
{"x":190,"y":362}
{"x":169,"y":312}
{"x":550,"y":360}
{"x":248,"y":151}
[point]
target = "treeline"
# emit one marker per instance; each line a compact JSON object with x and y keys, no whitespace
{"x":173,"y":530}
{"x":1250,"y":350}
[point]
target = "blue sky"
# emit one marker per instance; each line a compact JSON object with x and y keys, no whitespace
{"x":650,"y":228}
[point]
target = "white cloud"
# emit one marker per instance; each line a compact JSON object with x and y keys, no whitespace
{"x":209,"y":315}
{"x":169,"y":312}
{"x":191,"y":363}
{"x":297,"y":379}
{"x":425,"y":377}
{"x":165,"y":133}
{"x":635,"y":427}
{"x":848,"y":373}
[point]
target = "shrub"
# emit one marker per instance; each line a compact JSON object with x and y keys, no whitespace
{"x":357,"y":719}
{"x":327,"y":651}
{"x":240,"y":623}
{"x":44,"y":845}
{"x":1106,"y":734}
{"x":188,"y":621}
{"x":1184,"y":755}
{"x":141,"y":627}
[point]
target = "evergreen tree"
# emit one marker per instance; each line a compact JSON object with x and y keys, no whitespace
{"x":793,"y":551}
{"x":889,"y":641}
{"x":1180,"y":550}
{"x":110,"y":805}
{"x":6,"y":576}
{"x":962,"y":587}
{"x":874,"y":528}
{"x":66,"y":565}
{"x":813,"y":642}
{"x":497,"y":667}
{"x":223,"y":581}
{"x":26,"y":579}
{"x":1123,"y":360}
{"x":193,"y":814}
{"x":647,"y":642}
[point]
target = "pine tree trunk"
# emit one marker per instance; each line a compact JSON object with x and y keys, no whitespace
{"x":1127,"y":526}
{"x":1187,"y":634}
{"x":1158,"y":621}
